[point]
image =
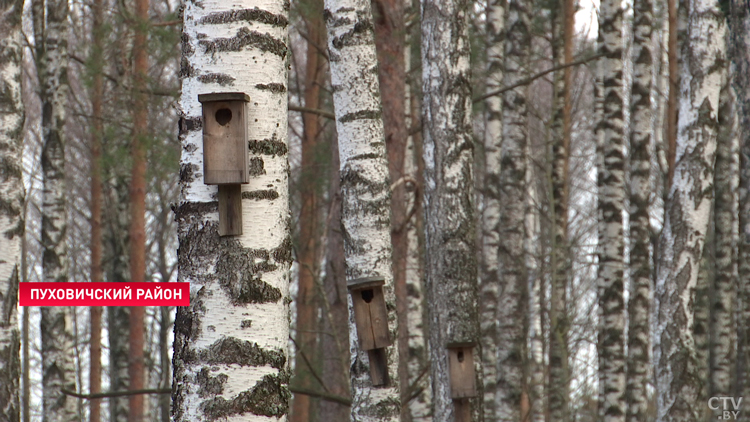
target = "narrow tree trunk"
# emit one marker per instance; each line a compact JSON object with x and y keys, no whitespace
{"x":309,"y":232}
{"x":138,"y":208}
{"x":51,"y":32}
{"x":365,"y":189}
{"x":390,"y":35}
{"x":611,"y":195}
{"x":512,"y":274}
{"x":674,"y":88}
{"x":450,"y":238}
{"x":336,"y":317}
{"x":230,"y":349}
{"x":726,"y":180}
{"x":687,"y":213}
{"x":11,"y":206}
{"x":639,"y":310}
{"x":97,"y":275}
{"x":740,"y":54}
{"x":493,"y":141}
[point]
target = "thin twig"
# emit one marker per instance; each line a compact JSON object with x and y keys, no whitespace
{"x":309,"y":365}
{"x":325,"y":396}
{"x":117,"y":393}
{"x":323,"y":113}
{"x":532,"y":78}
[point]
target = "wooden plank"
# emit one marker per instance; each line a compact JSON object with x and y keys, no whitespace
{"x":379,"y":318}
{"x":378,"y":367}
{"x":230,"y":210}
{"x":462,"y":373}
{"x":363,"y":322}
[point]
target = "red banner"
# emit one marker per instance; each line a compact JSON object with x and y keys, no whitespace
{"x":104,"y":294}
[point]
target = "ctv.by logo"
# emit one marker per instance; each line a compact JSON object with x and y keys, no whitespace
{"x":729,"y":407}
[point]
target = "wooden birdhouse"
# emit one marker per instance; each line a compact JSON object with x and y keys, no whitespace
{"x":225,"y":153}
{"x":461,"y":368}
{"x":370,"y":314}
{"x":371,"y":319}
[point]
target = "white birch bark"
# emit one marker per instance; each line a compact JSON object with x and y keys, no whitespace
{"x":726,"y":181}
{"x":740,"y":55}
{"x":51,"y":33}
{"x":365,"y":189}
{"x":230,"y":349}
{"x":512,"y":275}
{"x":493,"y":137}
{"x":11,"y":206}
{"x":611,"y":195}
{"x":687,"y":214}
{"x":639,"y":309}
{"x":450,"y":238}
{"x":535,"y":334}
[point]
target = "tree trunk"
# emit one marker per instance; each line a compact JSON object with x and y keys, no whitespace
{"x":493,"y":141}
{"x":230,"y":348}
{"x":365,"y":189}
{"x":390,"y":35}
{"x":311,"y":179}
{"x":11,"y":206}
{"x":740,"y":54}
{"x":138,"y":208}
{"x":450,"y":238}
{"x":97,"y":275}
{"x":611,"y":195}
{"x":687,"y":214}
{"x":51,"y":32}
{"x":639,"y":309}
{"x":512,"y":306}
{"x":726,"y":181}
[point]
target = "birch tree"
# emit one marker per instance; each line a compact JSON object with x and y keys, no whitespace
{"x":230,"y":348}
{"x":51,"y":44}
{"x":450,"y":267}
{"x":687,"y":213}
{"x":493,"y":140}
{"x":740,"y":54}
{"x":639,"y":338}
{"x":512,"y":274}
{"x":365,"y":189}
{"x":11,"y":206}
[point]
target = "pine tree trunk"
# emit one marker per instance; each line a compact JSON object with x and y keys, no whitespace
{"x":611,"y":195}
{"x":450,"y":238}
{"x":639,"y":310}
{"x":308,"y":299}
{"x":740,"y":54}
{"x":11,"y":206}
{"x":230,"y":350}
{"x":726,"y":181}
{"x":138,"y":208}
{"x":687,"y":214}
{"x":390,"y":35}
{"x":493,"y":141}
{"x":365,"y":189}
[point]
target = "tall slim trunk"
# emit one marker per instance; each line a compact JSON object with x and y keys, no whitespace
{"x":493,"y":141}
{"x":512,"y":303}
{"x":138,"y":207}
{"x":230,"y":349}
{"x":639,"y":310}
{"x":674,"y":87}
{"x":365,"y":189}
{"x":562,"y":52}
{"x":390,"y":35}
{"x":97,"y":274}
{"x":450,"y":238}
{"x":308,"y":299}
{"x":11,"y":206}
{"x":687,"y":213}
{"x":740,"y":54}
{"x":50,"y":33}
{"x":611,"y":195}
{"x":726,"y":181}
{"x":336,"y":346}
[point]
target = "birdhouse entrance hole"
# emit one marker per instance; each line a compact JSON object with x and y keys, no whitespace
{"x":367,"y":295}
{"x":223,"y":116}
